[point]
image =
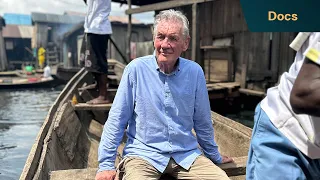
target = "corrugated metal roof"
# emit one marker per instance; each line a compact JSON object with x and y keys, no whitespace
{"x":11,"y":31}
{"x":26,"y":31}
{"x":17,"y":31}
{"x":56,"y":18}
{"x":17,"y":19}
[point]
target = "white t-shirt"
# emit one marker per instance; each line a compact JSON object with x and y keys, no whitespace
{"x":47,"y":72}
{"x":96,"y":20}
{"x":302,"y":130}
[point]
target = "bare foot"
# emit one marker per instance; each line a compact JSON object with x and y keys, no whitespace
{"x":99,"y":100}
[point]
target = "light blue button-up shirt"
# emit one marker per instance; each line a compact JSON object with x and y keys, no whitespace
{"x":160,"y":110}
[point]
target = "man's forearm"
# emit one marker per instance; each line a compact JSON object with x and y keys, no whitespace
{"x":305,"y":94}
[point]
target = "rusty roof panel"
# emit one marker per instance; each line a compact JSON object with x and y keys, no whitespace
{"x":11,"y":31}
{"x":17,"y":31}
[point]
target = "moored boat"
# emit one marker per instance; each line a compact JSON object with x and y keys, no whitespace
{"x":20,"y":79}
{"x":27,"y":82}
{"x":67,"y":143}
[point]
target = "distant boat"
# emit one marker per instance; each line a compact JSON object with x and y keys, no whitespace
{"x":18,"y":79}
{"x":67,"y":144}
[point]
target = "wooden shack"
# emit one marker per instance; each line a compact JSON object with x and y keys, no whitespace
{"x":17,"y":40}
{"x":223,"y":45}
{"x":51,"y":27}
{"x":49,"y":30}
{"x":116,"y":47}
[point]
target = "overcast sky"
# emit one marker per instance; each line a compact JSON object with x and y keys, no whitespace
{"x":60,"y":6}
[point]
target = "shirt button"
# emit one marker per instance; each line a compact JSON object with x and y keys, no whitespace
{"x":166,"y":112}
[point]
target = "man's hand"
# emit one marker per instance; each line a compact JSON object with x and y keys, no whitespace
{"x":226,"y":159}
{"x":106,"y":175}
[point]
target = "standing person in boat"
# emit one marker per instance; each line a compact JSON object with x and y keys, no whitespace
{"x":97,"y":28}
{"x":161,"y":98}
{"x":285,"y":144}
{"x":41,"y":56}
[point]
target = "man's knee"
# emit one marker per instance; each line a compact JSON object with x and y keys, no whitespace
{"x":206,"y":169}
{"x":135,"y":168}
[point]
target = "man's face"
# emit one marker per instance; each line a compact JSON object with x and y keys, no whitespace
{"x":169,"y":41}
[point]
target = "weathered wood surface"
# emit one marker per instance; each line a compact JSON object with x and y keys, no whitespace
{"x":67,"y":128}
{"x":252,"y":92}
{"x":33,"y":159}
{"x":218,"y":86}
{"x":238,"y":167}
{"x":117,"y":68}
{"x":9,"y":73}
{"x":216,"y":70}
{"x":235,"y":168}
{"x":223,"y":90}
{"x":97,"y":107}
{"x":100,"y":114}
{"x":232,"y":137}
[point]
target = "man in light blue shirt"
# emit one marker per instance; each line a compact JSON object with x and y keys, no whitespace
{"x":160,"y":99}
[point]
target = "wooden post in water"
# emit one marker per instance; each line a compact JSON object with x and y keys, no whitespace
{"x":195,"y":40}
{"x":129,"y":33}
{"x":66,"y":63}
{"x":3,"y":56}
{"x":243,"y":75}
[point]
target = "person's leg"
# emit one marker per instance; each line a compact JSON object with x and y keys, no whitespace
{"x":97,"y":45}
{"x":202,"y":168}
{"x":135,"y":168}
{"x":41,"y":62}
{"x":83,"y":50}
{"x":271,"y":155}
{"x":102,"y":87}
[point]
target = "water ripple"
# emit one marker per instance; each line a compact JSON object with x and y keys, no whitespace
{"x":22,"y":113}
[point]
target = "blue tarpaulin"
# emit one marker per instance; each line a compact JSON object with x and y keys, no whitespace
{"x":18,"y":19}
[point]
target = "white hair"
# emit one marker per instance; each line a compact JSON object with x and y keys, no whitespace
{"x":172,"y":14}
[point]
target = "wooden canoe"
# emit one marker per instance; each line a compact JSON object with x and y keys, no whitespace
{"x":18,"y":79}
{"x":27,"y":82}
{"x":67,"y":143}
{"x":115,"y":69}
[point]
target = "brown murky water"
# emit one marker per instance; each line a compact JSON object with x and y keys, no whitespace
{"x":22,"y":113}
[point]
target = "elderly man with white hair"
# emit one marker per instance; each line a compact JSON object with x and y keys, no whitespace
{"x":160,"y":99}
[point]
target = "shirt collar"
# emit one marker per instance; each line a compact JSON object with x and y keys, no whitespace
{"x":177,"y":69}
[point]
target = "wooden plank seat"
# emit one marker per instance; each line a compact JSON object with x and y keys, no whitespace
{"x":99,"y":107}
{"x":86,"y":96}
{"x":234,"y":169}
